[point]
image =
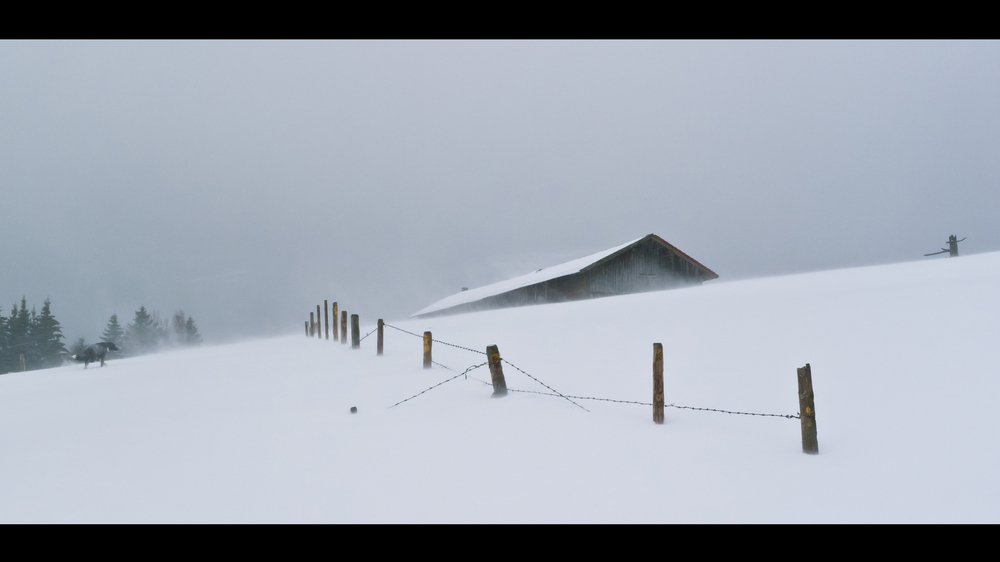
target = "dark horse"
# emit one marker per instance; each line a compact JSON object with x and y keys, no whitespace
{"x":94,"y":353}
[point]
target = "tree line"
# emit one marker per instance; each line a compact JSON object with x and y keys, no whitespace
{"x":30,"y":340}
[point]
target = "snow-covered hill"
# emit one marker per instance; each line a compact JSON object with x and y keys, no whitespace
{"x":905,"y":369}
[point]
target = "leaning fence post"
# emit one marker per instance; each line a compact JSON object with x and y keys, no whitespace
{"x":807,"y":410}
{"x":326,"y":316}
{"x":343,"y":326}
{"x":427,"y":350}
{"x":355,"y":332}
{"x":335,"y":336}
{"x":658,"y":383}
{"x":496,"y":372}
{"x":380,"y":326}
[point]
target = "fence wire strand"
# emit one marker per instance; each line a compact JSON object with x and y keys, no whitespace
{"x":545,"y":385}
{"x":789,"y":416}
{"x":582,"y":397}
{"x":671,"y":405}
{"x":368,"y":334}
{"x":561,"y":395}
{"x":437,"y":341}
{"x":440,"y":383}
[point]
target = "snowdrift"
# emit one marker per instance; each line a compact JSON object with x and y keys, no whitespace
{"x":903,"y":359}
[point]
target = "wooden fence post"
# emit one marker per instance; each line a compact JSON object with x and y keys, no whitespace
{"x":496,"y":372}
{"x":335,"y":337}
{"x":312,"y":325}
{"x":807,"y":410}
{"x":355,"y":332}
{"x":326,"y":317}
{"x":24,"y":368}
{"x":343,"y":326}
{"x":380,"y":326}
{"x":307,"y":329}
{"x":319,"y":327}
{"x":427,"y":350}
{"x":658,"y":383}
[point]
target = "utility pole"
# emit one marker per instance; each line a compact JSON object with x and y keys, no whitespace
{"x":952,"y":248}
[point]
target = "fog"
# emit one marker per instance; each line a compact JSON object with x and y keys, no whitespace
{"x":245,"y":182}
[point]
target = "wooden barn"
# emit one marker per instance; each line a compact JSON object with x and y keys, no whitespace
{"x":647,"y":264}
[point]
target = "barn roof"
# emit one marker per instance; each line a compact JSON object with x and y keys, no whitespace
{"x":546,"y":274}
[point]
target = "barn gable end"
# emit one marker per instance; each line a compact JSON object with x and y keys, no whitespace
{"x":651,"y":264}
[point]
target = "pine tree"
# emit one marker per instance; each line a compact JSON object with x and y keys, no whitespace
{"x":20,"y":321}
{"x":46,"y":335}
{"x":141,"y":335}
{"x":18,"y":335}
{"x":186,"y":330}
{"x":79,"y":347}
{"x":114,"y":333}
{"x":8,"y":355}
{"x":191,"y":336}
{"x":179,"y":327}
{"x":161,"y":329}
{"x":4,"y":338}
{"x":32,"y":354}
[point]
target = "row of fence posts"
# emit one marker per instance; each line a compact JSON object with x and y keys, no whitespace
{"x":807,"y":408}
{"x":315,"y":329}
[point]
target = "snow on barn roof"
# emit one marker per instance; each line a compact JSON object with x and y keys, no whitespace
{"x":538,"y":276}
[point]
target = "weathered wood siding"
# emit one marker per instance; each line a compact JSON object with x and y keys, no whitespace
{"x":647,"y":266}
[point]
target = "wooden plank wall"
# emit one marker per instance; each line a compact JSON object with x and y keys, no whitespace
{"x":646,"y":267}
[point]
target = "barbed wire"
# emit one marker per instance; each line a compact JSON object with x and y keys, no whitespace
{"x":581,"y":397}
{"x":672,"y":405}
{"x":402,"y":330}
{"x":446,"y":367}
{"x":789,"y":416}
{"x":543,"y":384}
{"x":436,"y":340}
{"x":570,"y":397}
{"x":473,"y":367}
{"x":484,"y":353}
{"x":368,"y":334}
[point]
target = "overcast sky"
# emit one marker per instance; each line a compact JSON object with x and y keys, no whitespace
{"x":245,"y":182}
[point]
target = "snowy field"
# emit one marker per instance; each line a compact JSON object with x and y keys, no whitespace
{"x":905,"y":369}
